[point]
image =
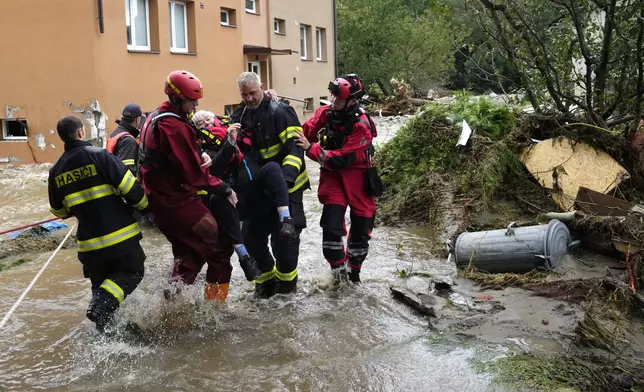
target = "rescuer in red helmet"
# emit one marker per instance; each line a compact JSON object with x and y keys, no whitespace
{"x":172,"y":170}
{"x":339,"y":137}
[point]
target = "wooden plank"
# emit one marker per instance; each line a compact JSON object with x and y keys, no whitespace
{"x":597,"y":203}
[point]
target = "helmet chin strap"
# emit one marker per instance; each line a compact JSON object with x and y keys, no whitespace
{"x":178,"y":103}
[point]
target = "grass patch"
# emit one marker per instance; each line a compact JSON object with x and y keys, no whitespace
{"x":543,"y":373}
{"x":8,"y":265}
{"x":501,"y":281}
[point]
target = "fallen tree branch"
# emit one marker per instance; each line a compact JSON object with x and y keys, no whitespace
{"x":614,"y":284}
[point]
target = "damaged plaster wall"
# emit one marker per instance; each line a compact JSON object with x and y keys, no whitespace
{"x":10,"y":110}
{"x":95,"y":120}
{"x":9,"y":159}
{"x":40,"y":141}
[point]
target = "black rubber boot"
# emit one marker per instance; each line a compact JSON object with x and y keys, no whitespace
{"x":101,"y":309}
{"x":265,"y":290}
{"x":287,"y":230}
{"x":286,"y":287}
{"x":251,"y":270}
{"x":354,"y":275}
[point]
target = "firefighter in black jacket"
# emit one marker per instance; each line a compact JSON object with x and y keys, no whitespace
{"x":271,"y":128}
{"x":124,"y":140}
{"x":91,"y":184}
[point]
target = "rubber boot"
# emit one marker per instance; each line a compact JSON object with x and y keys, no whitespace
{"x":354,"y":275}
{"x":287,"y":230}
{"x":265,"y":290}
{"x":286,"y":287}
{"x":216,"y":291}
{"x":101,"y":309}
{"x":251,"y":270}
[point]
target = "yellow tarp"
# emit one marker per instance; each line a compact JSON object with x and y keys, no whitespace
{"x":560,"y":165}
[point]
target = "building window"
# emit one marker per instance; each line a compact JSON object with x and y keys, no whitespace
{"x":320,"y":43}
{"x":255,"y":66}
{"x":137,"y":23}
{"x":14,"y":129}
{"x":230,"y":109}
{"x":279,"y":26}
{"x":308,"y":106}
{"x":228,"y":17}
{"x":251,"y":6}
{"x":178,"y":26}
{"x":225,"y":17}
{"x":305,"y":41}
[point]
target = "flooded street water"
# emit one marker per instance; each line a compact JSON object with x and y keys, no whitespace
{"x":320,"y":339}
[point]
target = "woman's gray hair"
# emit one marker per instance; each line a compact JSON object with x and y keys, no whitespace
{"x":248,"y":78}
{"x":200,"y":118}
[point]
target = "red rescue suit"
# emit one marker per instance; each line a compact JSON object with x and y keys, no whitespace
{"x":343,"y":148}
{"x":171,"y":173}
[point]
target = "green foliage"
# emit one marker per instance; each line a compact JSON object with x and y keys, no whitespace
{"x":382,"y":39}
{"x":486,"y":117}
{"x":6,"y":266}
{"x":418,"y":162}
{"x":549,"y":374}
{"x":568,"y":54}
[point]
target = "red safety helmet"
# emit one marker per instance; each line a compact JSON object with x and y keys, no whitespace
{"x":183,"y":84}
{"x":347,"y":87}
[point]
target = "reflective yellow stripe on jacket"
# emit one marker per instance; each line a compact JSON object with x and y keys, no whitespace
{"x":62,"y":213}
{"x":93,"y":193}
{"x":270,"y":152}
{"x":289,"y":133}
{"x":292,"y":160}
{"x":127,"y":183}
{"x":141,"y":205}
{"x":300,"y":181}
{"x":109,"y":239}
{"x":128,"y":162}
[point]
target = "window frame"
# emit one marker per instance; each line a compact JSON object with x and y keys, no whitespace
{"x":254,"y":9}
{"x":304,"y":38}
{"x":319,"y":56}
{"x":222,"y":12}
{"x":128,"y":15}
{"x":9,"y":138}
{"x":173,"y":47}
{"x":258,"y":64}
{"x":277,"y":22}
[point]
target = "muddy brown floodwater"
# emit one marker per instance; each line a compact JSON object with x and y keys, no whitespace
{"x":320,"y":339}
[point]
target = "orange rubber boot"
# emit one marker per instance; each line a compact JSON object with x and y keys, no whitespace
{"x":216,"y":291}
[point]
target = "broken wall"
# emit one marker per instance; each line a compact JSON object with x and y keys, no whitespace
{"x":48,"y":71}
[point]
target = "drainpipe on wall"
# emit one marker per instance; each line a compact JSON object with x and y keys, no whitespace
{"x":335,"y":39}
{"x":269,"y":58}
{"x":101,"y":24}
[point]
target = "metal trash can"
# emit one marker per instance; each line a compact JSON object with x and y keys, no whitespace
{"x":514,"y":249}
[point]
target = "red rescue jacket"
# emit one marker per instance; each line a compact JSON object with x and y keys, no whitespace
{"x":170,"y":167}
{"x":355,"y":141}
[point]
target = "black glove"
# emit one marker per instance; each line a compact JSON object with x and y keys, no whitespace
{"x":224,"y":190}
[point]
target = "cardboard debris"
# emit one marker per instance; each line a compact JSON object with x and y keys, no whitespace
{"x":563,"y":166}
{"x":596,"y":203}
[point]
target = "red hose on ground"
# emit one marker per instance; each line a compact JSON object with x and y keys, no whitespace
{"x":30,"y":225}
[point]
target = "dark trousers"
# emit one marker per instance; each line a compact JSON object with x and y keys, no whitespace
{"x":337,"y":191}
{"x":119,"y":276}
{"x":227,"y":219}
{"x":282,"y":263}
{"x":265,"y":191}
